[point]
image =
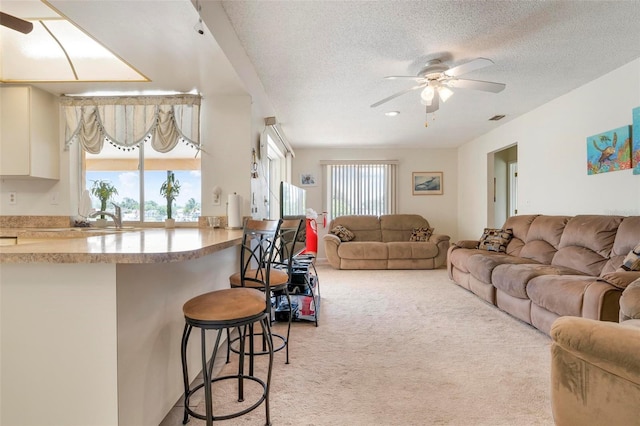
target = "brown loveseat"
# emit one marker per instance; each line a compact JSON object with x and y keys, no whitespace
{"x":553,"y":266}
{"x":595,"y":367}
{"x":383,"y":243}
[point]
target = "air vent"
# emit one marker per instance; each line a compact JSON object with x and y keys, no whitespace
{"x":497,"y":117}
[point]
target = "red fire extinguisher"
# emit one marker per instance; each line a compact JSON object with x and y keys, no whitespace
{"x":312,"y":238}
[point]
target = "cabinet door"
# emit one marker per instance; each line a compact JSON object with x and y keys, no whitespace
{"x":14,"y":131}
{"x":29,"y":139}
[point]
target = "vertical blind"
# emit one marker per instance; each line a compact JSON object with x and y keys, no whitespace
{"x":361,"y":187}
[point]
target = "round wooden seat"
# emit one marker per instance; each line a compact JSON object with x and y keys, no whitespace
{"x":225,"y":305}
{"x":276,"y":278}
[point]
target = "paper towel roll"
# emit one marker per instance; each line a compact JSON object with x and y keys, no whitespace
{"x":234,"y":211}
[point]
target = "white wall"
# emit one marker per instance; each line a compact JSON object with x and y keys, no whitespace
{"x":552,"y":170}
{"x":226,"y":134}
{"x":440,"y":210}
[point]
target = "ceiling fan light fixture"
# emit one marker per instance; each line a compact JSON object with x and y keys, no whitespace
{"x":427,"y":95}
{"x":445,"y":93}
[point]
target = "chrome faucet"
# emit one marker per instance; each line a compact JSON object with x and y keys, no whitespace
{"x":117,"y":218}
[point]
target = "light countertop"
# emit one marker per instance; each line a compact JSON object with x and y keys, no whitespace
{"x":141,"y":245}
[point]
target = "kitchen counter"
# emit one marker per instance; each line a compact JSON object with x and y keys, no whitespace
{"x":90,"y":327}
{"x":103,"y":245}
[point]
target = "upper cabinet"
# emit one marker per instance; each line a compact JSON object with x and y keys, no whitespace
{"x":29,"y":133}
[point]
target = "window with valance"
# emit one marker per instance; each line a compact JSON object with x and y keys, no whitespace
{"x":133,"y":142}
{"x":127,"y":122}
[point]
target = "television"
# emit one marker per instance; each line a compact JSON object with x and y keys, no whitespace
{"x":293,"y":206}
{"x":292,"y":201}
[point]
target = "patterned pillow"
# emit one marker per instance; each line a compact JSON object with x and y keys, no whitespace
{"x":632,"y":261}
{"x":421,"y":234}
{"x":343,"y":233}
{"x":495,"y":239}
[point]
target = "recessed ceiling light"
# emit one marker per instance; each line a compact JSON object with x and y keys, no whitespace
{"x":497,"y":117}
{"x":392,"y":113}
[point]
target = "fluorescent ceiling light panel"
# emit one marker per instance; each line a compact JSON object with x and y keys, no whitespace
{"x":57,"y":51}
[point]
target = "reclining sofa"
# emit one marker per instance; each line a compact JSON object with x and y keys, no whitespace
{"x":384,"y":243}
{"x":595,"y":367}
{"x":552,"y":266}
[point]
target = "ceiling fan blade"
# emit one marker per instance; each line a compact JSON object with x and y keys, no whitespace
{"x":472,"y":65}
{"x":419,"y":86}
{"x":398,"y":77}
{"x":14,"y":23}
{"x":486,"y":86}
{"x":435,"y":103}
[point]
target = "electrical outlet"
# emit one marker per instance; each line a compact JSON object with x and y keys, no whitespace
{"x":54,"y":198}
{"x":13,"y":198}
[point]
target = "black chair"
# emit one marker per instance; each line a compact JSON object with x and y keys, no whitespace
{"x":237,"y":308}
{"x":279,"y":280}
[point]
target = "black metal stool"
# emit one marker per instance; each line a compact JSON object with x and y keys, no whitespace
{"x":238,"y":308}
{"x":279,"y":280}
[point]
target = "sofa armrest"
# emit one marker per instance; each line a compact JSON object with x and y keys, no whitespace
{"x":438,"y":238}
{"x":609,"y":346}
{"x":469,"y":244}
{"x":630,"y":302}
{"x":621,"y":279}
{"x":595,"y":372}
{"x":331,"y":244}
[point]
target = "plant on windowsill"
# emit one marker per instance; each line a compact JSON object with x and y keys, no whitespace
{"x":170,"y":189}
{"x":104,"y":191}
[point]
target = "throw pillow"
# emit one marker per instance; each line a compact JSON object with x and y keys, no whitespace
{"x":632,"y":261}
{"x":343,"y":233}
{"x":421,"y":234}
{"x":495,"y":239}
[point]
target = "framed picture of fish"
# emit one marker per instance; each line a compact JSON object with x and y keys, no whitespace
{"x":427,"y":183}
{"x":635,"y":137}
{"x":609,"y":151}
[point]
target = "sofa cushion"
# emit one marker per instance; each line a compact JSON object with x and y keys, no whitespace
{"x":398,"y":227}
{"x":495,"y":239}
{"x":481,"y":265}
{"x":561,"y":294}
{"x":586,"y":243}
{"x":421,"y":234}
{"x":363,"y":250}
{"x":543,"y":238}
{"x":520,"y":226}
{"x":412,"y":250}
{"x":343,"y":233}
{"x":513,"y":278}
{"x":364,"y":227}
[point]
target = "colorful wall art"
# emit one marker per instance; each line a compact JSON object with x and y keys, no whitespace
{"x":635,"y":149}
{"x":609,"y":151}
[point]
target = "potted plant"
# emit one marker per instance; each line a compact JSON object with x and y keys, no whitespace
{"x":104,"y":191}
{"x":170,"y":189}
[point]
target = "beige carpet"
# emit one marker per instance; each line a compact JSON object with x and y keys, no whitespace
{"x":403,"y":348}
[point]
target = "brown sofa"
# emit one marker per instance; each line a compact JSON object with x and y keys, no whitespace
{"x":595,"y":367}
{"x":383,"y":243}
{"x":553,"y":266}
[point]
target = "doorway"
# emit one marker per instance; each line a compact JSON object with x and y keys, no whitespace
{"x":502,"y":194}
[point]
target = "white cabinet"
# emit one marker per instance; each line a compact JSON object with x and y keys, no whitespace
{"x":29,"y":133}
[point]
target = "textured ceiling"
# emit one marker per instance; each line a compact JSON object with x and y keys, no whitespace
{"x":322,"y":63}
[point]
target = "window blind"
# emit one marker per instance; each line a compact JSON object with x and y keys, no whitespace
{"x":362,"y":188}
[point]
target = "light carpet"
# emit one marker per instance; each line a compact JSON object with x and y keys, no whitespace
{"x":402,"y":348}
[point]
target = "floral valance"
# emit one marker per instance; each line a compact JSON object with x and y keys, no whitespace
{"x":126,"y":122}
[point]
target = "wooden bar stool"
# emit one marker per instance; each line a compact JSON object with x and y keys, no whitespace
{"x":235,"y":308}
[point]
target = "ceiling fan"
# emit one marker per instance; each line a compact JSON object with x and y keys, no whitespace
{"x":14,"y":23}
{"x":437,"y":79}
